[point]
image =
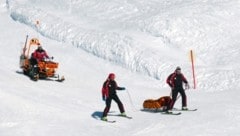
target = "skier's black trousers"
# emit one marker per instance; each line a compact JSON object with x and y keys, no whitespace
{"x":109,"y":101}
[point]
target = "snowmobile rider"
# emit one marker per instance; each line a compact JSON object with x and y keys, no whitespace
{"x":40,"y":54}
{"x":109,"y":93}
{"x":175,"y":81}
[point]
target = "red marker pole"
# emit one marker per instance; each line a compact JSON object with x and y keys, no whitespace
{"x":192,"y":60}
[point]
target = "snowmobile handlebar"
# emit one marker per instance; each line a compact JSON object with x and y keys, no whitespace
{"x":49,"y":58}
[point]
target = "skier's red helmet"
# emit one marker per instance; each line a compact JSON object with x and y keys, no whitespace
{"x":111,"y":76}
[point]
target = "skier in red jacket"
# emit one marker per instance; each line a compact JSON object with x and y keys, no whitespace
{"x":109,"y":93}
{"x":175,"y":81}
{"x":40,"y":54}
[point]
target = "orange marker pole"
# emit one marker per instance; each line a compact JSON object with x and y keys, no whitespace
{"x":192,"y":60}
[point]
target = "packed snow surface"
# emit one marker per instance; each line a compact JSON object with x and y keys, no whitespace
{"x":142,"y":42}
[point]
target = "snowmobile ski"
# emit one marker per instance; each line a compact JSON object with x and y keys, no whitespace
{"x":60,"y":79}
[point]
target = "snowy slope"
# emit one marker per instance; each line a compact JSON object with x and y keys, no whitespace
{"x":140,"y":37}
{"x":140,"y":41}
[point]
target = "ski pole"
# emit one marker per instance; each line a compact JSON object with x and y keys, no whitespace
{"x":186,"y":88}
{"x":171,"y":96}
{"x":130,"y":98}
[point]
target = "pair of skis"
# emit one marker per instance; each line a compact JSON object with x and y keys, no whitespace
{"x":175,"y":112}
{"x":179,"y":111}
{"x":113,"y":121}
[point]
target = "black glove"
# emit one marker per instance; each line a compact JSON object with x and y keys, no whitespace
{"x":103,"y":98}
{"x":187,"y":86}
{"x":122,"y":88}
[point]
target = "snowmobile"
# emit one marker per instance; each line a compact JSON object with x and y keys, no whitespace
{"x":38,"y":69}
